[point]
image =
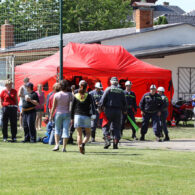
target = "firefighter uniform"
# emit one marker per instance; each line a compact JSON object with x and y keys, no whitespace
{"x":131,"y":109}
{"x":114,"y":104}
{"x":150,"y":105}
{"x":164,"y":113}
{"x":96,"y":94}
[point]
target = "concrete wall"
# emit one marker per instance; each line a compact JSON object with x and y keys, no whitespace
{"x":172,"y":63}
{"x":176,"y":35}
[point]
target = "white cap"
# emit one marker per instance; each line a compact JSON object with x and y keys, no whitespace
{"x":128,"y":83}
{"x":82,"y":81}
{"x":153,"y":87}
{"x":98,"y":85}
{"x":162,"y":89}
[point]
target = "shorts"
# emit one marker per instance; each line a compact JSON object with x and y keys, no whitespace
{"x":82,"y":121}
{"x":62,"y":124}
{"x":20,"y":109}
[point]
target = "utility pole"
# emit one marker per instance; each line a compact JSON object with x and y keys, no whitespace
{"x":61,"y":40}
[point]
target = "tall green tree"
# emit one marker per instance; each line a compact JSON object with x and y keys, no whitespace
{"x":34,"y":19}
{"x":96,"y":15}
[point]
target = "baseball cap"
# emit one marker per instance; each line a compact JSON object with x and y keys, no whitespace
{"x":114,"y":79}
{"x":30,"y":85}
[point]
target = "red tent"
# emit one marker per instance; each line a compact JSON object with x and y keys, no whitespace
{"x":96,"y":62}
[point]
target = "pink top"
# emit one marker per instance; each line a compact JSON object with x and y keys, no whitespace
{"x":63,"y":102}
{"x":41,"y":100}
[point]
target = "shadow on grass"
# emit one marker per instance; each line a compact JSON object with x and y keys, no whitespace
{"x":112,"y":154}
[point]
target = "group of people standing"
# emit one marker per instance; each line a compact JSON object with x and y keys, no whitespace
{"x":80,"y":110}
{"x":31,"y":108}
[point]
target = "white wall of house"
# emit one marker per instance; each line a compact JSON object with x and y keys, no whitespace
{"x":172,"y":63}
{"x":175,"y":35}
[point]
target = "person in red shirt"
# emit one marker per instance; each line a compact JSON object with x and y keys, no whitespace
{"x":9,"y":103}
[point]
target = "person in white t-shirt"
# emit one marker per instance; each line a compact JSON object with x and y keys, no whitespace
{"x":21,"y":94}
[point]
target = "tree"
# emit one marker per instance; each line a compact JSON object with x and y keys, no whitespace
{"x":34,"y":19}
{"x":161,"y":20}
{"x":96,"y":15}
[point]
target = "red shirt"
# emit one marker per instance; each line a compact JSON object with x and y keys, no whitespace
{"x":50,"y":105}
{"x":8,"y":97}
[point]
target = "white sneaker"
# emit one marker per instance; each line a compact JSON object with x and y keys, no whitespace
{"x":56,"y":148}
{"x":5,"y":140}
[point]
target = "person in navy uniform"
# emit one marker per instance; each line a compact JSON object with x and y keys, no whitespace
{"x":96,"y":94}
{"x":131,"y":107}
{"x":164,"y":113}
{"x":114,"y":104}
{"x":151,"y":106}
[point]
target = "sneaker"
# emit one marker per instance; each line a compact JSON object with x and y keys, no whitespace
{"x":134,"y":137}
{"x":92,"y":139}
{"x":115,"y":145}
{"x":166,"y":139}
{"x":13,"y":140}
{"x":158,"y":139}
{"x":63,"y":150}
{"x":5,"y":140}
{"x":56,"y":148}
{"x":82,"y":149}
{"x":107,"y":143}
{"x":25,"y":141}
{"x":142,"y":138}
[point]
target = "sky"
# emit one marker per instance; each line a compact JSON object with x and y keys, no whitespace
{"x":186,"y":5}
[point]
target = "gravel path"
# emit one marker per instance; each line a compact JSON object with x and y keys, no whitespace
{"x":183,"y":145}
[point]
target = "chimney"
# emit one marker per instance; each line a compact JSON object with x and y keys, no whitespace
{"x":143,"y":13}
{"x":166,"y":3}
{"x":7,"y":35}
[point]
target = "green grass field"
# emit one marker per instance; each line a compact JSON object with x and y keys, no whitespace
{"x":35,"y":169}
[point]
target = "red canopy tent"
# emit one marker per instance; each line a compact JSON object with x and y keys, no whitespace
{"x":96,"y":62}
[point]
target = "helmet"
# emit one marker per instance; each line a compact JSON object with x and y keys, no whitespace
{"x":162,"y":89}
{"x":82,"y":82}
{"x":153,"y":87}
{"x":98,"y":85}
{"x":128,"y":83}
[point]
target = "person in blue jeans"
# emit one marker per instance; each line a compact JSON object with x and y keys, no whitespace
{"x":61,"y":104}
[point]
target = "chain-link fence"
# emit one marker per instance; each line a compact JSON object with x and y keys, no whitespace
{"x":26,"y":26}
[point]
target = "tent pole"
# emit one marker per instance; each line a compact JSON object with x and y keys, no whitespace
{"x":61,"y":40}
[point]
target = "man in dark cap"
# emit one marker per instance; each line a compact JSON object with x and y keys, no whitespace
{"x":31,"y":100}
{"x":114,"y":104}
{"x":151,"y":106}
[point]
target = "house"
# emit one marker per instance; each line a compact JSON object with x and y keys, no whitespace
{"x":174,"y":14}
{"x":170,"y":46}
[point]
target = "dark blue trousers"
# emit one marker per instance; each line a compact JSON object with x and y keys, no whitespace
{"x":29,"y":126}
{"x":9,"y":113}
{"x":132,"y":116}
{"x":155,"y":123}
{"x":114,"y":117}
{"x":163,"y":118}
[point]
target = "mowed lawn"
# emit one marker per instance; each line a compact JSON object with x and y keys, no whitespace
{"x":35,"y":169}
